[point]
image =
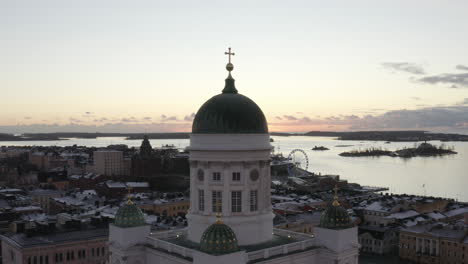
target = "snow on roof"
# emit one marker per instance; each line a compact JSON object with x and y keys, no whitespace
{"x":293,"y":206}
{"x":10,"y":190}
{"x":27,"y":208}
{"x":436,"y":215}
{"x":410,"y":223}
{"x":69,"y":201}
{"x":310,"y":200}
{"x":297,"y":180}
{"x":376,"y":206}
{"x":112,"y":184}
{"x":281,"y":198}
{"x":35,"y":217}
{"x":90,"y":175}
{"x":137,"y":184}
{"x":455,"y":212}
{"x":403,"y":215}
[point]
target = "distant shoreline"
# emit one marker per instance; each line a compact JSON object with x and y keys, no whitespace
{"x":390,"y":136}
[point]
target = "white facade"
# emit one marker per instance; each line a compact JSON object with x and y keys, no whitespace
{"x":236,"y":167}
{"x":162,"y":248}
{"x":126,"y":244}
{"x":108,"y":162}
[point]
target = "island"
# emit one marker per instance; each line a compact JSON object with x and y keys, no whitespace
{"x":387,"y":136}
{"x":320,"y":148}
{"x":423,"y":150}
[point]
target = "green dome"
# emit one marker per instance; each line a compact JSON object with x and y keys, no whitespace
{"x":129,"y":215}
{"x":229,"y":113}
{"x":218,"y":239}
{"x":335,"y":217}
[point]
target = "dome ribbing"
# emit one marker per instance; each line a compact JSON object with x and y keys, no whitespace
{"x":129,"y":215}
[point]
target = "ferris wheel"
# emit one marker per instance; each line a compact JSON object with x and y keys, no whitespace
{"x":299,"y":162}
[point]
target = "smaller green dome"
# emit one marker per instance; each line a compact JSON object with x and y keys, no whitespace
{"x":335,"y":217}
{"x":219,"y":239}
{"x":129,"y":215}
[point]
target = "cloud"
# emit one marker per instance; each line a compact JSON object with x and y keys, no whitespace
{"x":131,"y":119}
{"x":455,"y":80}
{"x":290,"y":117}
{"x":100,"y":120}
{"x":404,"y":67}
{"x":462,"y":67}
{"x":189,"y":118}
{"x":74,"y":120}
{"x":88,"y":114}
{"x":147,"y":118}
{"x":27,"y":117}
{"x":416,"y":98}
{"x":165,"y":118}
{"x":279,"y":117}
{"x":104,"y":128}
{"x":449,"y":118}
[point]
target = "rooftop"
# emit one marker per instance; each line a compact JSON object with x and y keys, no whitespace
{"x":441,"y":230}
{"x":24,"y":241}
{"x":175,"y":242}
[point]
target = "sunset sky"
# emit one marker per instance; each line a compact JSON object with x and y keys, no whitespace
{"x":135,"y":66}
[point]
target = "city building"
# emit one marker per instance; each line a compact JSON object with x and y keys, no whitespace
{"x":230,"y":219}
{"x":163,"y":207}
{"x":109,"y":163}
{"x":84,"y":246}
{"x":146,"y":164}
{"x":435,"y":243}
{"x":378,"y":240}
{"x":43,"y":198}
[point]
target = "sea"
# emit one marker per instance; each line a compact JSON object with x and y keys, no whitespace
{"x":442,"y":176}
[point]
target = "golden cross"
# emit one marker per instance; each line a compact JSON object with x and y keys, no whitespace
{"x":229,"y":53}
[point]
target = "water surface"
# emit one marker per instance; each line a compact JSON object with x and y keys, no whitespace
{"x":445,"y":176}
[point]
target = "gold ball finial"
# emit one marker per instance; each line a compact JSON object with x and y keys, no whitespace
{"x":229,"y":67}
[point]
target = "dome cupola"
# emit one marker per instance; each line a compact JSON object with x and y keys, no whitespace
{"x":218,"y":238}
{"x":229,"y":112}
{"x":129,"y":215}
{"x":335,"y":216}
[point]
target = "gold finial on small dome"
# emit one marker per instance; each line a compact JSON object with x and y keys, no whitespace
{"x":218,"y":211}
{"x":129,"y":197}
{"x":229,"y":66}
{"x":335,"y":198}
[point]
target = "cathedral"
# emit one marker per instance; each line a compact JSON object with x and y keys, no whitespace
{"x":230,"y":220}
